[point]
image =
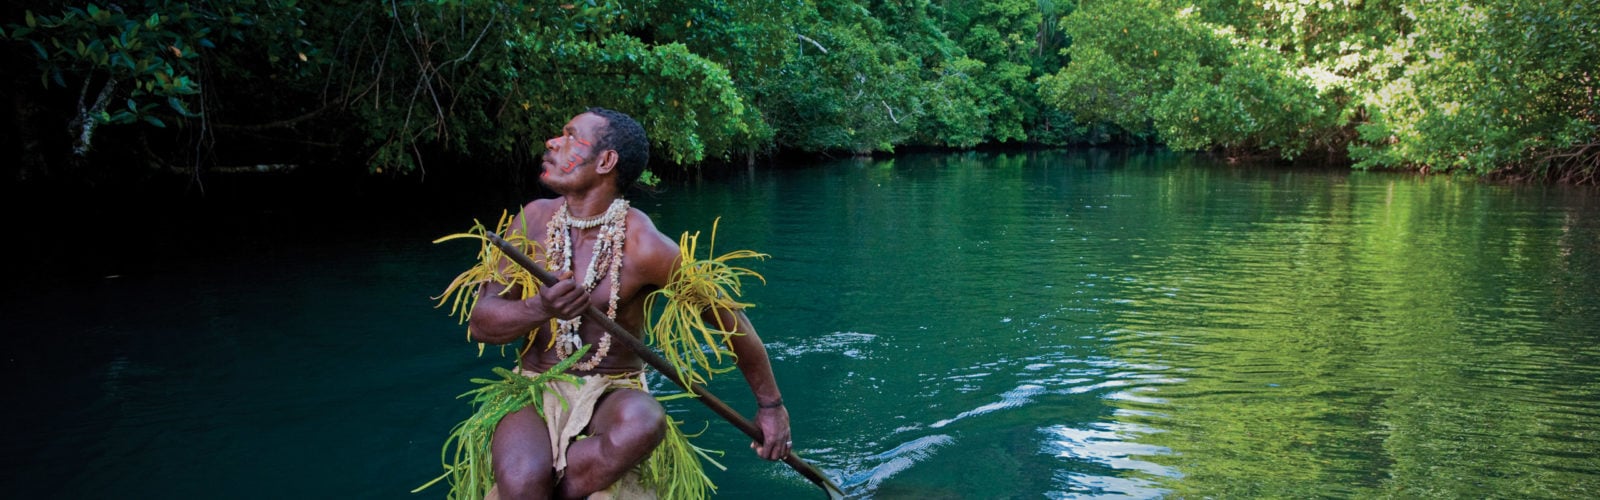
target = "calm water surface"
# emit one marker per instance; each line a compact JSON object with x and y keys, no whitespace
{"x":1047,"y":325}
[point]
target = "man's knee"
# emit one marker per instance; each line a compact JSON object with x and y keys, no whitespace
{"x":643,"y":421}
{"x":517,"y":479}
{"x":521,"y":457}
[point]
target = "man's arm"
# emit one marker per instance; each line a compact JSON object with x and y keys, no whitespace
{"x":771,"y":414}
{"x":659,"y":256}
{"x":503,"y":318}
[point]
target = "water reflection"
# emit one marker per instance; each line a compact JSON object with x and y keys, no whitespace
{"x":1375,"y":338}
{"x":1067,"y":325}
{"x":1114,"y":447}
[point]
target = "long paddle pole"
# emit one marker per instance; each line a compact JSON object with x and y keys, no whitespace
{"x":621,"y":334}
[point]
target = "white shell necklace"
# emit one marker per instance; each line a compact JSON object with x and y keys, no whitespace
{"x":607,"y":248}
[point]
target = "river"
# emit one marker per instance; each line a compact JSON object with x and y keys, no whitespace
{"x":1082,"y":324}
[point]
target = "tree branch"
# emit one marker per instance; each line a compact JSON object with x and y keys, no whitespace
{"x":284,"y":123}
{"x":813,"y":42}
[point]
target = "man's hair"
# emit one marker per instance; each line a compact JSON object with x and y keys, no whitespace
{"x":625,"y":136}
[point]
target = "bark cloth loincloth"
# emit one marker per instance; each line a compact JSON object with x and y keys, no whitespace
{"x":566,"y":422}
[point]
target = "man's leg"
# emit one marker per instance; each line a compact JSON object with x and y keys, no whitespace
{"x":522,"y":463}
{"x":628,"y":424}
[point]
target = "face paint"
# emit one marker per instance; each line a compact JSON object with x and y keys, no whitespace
{"x":572,"y":164}
{"x":576,"y":158}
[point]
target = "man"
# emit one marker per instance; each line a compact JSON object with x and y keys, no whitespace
{"x":609,"y":256}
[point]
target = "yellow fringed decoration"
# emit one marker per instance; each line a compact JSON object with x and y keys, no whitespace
{"x":698,"y":287}
{"x":673,"y":470}
{"x":467,"y":454}
{"x":492,"y":266}
{"x":709,"y":286}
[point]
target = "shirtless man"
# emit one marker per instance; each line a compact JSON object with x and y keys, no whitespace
{"x":597,"y":155}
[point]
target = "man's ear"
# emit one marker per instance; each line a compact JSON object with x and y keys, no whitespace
{"x":606,"y":162}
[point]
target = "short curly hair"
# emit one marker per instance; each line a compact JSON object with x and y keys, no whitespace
{"x":625,"y":136}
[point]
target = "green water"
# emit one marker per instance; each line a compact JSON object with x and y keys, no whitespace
{"x":1055,"y":325}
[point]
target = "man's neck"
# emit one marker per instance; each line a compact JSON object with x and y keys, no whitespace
{"x":589,"y":204}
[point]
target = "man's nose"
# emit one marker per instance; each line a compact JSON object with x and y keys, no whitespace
{"x":551,"y":143}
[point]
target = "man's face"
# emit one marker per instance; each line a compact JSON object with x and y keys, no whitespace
{"x":571,"y":156}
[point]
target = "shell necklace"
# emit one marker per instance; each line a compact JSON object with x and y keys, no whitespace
{"x":608,"y":249}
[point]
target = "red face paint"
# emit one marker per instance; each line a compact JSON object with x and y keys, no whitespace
{"x":573,"y":163}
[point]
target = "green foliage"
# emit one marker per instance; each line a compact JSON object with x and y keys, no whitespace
{"x":958,"y":118}
{"x":842,"y":86}
{"x":1007,"y":36}
{"x":1197,"y":85}
{"x":1490,"y":85}
{"x":466,"y":454}
{"x":1475,"y":87}
{"x":1455,"y":86}
{"x":514,"y":74}
{"x":144,"y":55}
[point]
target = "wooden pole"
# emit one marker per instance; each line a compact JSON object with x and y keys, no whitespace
{"x":620,"y":334}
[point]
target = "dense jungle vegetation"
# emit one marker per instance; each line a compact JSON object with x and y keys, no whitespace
{"x":404,"y":87}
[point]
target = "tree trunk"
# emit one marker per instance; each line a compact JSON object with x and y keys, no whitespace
{"x":89,"y":118}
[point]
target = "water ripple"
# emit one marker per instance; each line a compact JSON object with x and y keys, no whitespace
{"x":1022,"y":395}
{"x":866,"y":478}
{"x":853,"y":345}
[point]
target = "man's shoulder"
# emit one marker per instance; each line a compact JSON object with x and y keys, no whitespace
{"x":542,"y":205}
{"x":649,"y":247}
{"x":534,"y":215}
{"x":647,"y":238}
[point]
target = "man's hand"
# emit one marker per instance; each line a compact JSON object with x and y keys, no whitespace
{"x":565,"y":299}
{"x":774,"y":424}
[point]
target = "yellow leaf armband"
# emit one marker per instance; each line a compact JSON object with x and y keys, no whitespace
{"x":699,"y":286}
{"x":492,"y":266}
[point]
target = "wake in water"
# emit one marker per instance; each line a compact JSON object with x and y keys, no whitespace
{"x":1093,"y":459}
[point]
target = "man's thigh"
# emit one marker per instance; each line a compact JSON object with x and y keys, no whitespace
{"x":521,"y":446}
